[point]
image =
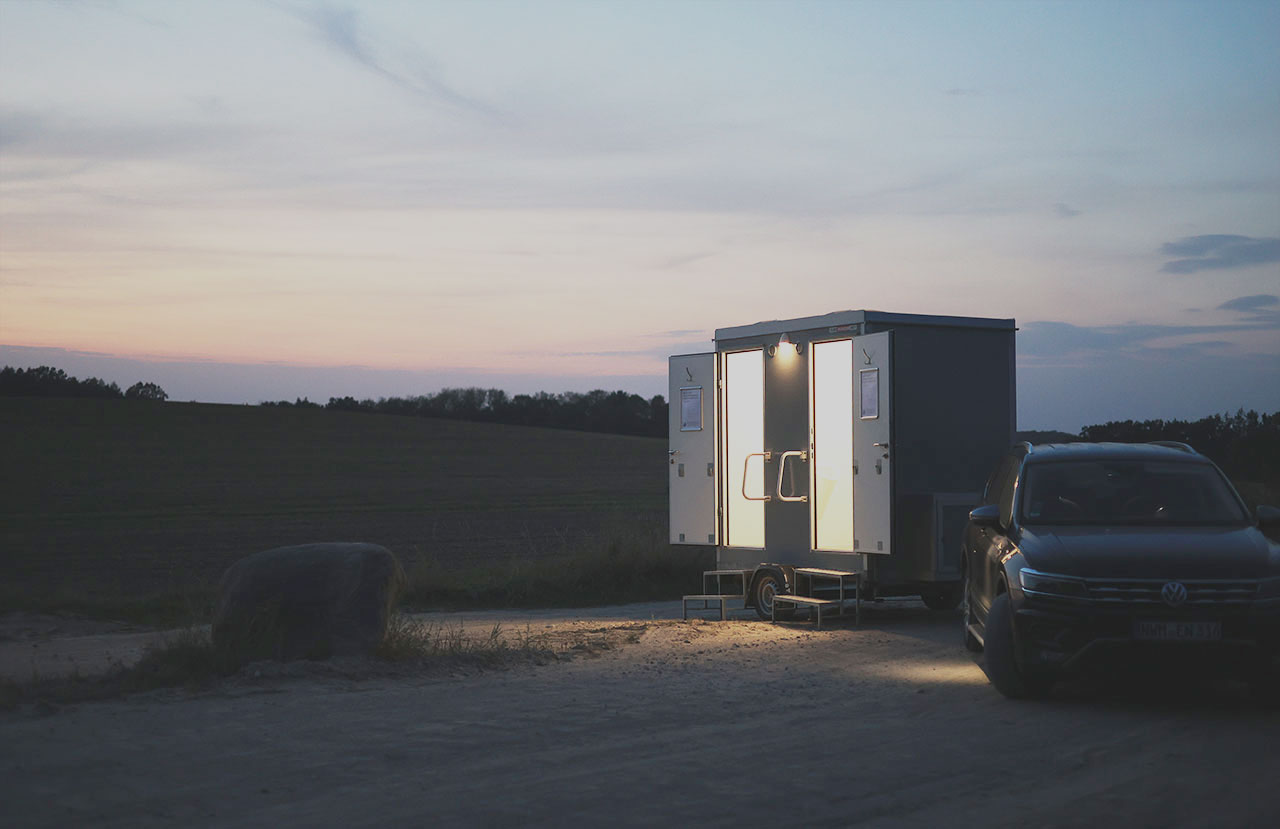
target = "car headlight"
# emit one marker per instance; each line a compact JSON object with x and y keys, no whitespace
{"x":1044,"y":584}
{"x":1269,"y":589}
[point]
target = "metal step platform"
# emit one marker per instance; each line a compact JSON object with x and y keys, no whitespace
{"x":810,"y":578}
{"x":718,"y":587}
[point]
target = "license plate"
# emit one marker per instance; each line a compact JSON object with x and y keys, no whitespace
{"x":1177,"y":631}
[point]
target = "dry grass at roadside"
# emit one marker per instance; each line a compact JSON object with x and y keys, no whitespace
{"x":186,"y":659}
{"x":426,"y":642}
{"x":187,"y":607}
{"x":189,"y":659}
{"x":624,"y":563}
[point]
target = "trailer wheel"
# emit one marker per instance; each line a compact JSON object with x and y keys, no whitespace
{"x":768,"y":584}
{"x":945,"y":598}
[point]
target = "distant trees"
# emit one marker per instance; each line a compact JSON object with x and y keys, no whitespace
{"x":300,"y":403}
{"x":1246,"y":445}
{"x":145,"y":391}
{"x":617,"y":412}
{"x":46,"y":381}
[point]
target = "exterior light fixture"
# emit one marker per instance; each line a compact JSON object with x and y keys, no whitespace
{"x":784,"y":346}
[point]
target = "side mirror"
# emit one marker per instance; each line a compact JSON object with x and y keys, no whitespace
{"x":987,"y":515}
{"x":1268,"y":517}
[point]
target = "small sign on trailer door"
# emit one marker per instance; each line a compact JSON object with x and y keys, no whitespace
{"x":691,"y":409}
{"x":869,"y":379}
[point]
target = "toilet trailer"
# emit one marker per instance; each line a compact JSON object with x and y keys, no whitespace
{"x":837,"y":456}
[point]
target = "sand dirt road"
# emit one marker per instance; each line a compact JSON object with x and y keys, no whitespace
{"x":719,"y":724}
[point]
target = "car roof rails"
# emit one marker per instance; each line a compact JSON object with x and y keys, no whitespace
{"x":1175,"y":444}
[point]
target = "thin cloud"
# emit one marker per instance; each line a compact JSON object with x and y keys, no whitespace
{"x":1219,"y":251}
{"x":657,"y":353}
{"x":1262,"y":310}
{"x":677,"y":332}
{"x":50,"y":134}
{"x":1250,"y":303}
{"x":1051,"y":339}
{"x":688,"y":259}
{"x":340,"y":29}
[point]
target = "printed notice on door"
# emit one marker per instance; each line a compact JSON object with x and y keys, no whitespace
{"x":870,"y":393}
{"x":691,"y":409}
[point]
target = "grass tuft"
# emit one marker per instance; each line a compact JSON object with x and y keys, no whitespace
{"x":429,"y":642}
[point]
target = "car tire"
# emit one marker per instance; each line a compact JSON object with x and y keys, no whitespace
{"x":946,"y":598}
{"x":1002,"y":667}
{"x":768,"y":584}
{"x":971,"y":643}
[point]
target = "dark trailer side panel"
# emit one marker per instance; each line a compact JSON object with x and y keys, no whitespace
{"x":955,"y":413}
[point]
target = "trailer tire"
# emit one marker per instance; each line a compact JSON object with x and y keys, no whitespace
{"x":769,"y":583}
{"x":943,"y":598}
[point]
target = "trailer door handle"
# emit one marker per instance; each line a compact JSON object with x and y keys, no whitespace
{"x":745,"y":462}
{"x":782,"y":472}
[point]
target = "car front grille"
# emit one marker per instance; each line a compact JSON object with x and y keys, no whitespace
{"x":1200,"y":592}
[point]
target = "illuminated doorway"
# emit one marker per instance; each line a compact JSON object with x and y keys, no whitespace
{"x":744,"y":476}
{"x":832,"y":487}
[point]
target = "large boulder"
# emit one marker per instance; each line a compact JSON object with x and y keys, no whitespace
{"x":310,"y":601}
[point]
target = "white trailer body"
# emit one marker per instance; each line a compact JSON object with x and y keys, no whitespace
{"x":853,"y":442}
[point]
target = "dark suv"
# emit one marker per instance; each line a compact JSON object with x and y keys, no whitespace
{"x":1087,"y":552}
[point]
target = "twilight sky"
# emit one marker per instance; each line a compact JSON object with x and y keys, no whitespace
{"x":264,"y":200}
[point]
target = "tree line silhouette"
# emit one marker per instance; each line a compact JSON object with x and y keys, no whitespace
{"x":616,"y":412}
{"x":1246,"y":445}
{"x":46,"y":381}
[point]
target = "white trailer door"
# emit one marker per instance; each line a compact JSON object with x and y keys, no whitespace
{"x":872,"y":453}
{"x":691,"y":430}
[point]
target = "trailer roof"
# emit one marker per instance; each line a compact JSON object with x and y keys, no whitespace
{"x":839,"y":318}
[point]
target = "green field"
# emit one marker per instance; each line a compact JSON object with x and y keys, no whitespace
{"x":112,"y":499}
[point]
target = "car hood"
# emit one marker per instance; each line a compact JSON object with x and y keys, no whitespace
{"x":1141,"y":552}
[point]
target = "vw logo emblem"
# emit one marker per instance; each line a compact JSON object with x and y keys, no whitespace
{"x":1174,"y":594}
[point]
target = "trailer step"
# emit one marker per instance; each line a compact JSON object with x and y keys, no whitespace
{"x":715,"y":589}
{"x":707,"y":599}
{"x":737,"y":582}
{"x":818,"y":571}
{"x":809,"y":601}
{"x":805,"y":585}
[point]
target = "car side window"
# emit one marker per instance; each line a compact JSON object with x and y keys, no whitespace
{"x":991,"y":495}
{"x":1005,"y":496}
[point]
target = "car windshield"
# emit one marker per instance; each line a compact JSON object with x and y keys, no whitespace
{"x":1127,"y":492}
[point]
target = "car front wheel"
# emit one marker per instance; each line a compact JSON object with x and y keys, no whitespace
{"x":1003,"y":668}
